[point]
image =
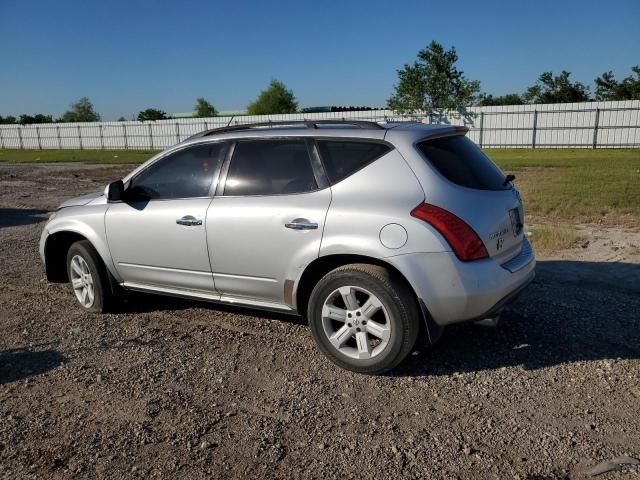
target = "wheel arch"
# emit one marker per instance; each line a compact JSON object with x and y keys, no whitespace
{"x":323,"y":265}
{"x":430,"y":332}
{"x":56,"y":247}
{"x":55,"y":254}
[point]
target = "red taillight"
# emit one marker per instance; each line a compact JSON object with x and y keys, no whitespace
{"x":463,"y":240}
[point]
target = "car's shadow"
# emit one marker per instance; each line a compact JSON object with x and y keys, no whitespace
{"x":13,"y":217}
{"x":22,"y":363}
{"x":135,"y":302}
{"x":573,"y":311}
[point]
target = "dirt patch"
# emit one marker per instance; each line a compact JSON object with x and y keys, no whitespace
{"x":175,"y":389}
{"x":598,"y":244}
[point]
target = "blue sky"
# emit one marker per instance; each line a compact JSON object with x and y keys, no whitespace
{"x":127,"y":55}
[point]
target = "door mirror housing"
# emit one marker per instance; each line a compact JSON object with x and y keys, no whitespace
{"x":115,"y":191}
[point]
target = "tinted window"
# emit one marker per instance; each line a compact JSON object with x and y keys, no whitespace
{"x":342,"y":158}
{"x":270,"y":167}
{"x":459,"y":160}
{"x":184,"y":174}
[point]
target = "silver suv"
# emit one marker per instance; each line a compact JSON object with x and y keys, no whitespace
{"x":375,"y":233}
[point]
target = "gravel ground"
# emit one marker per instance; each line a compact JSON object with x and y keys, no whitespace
{"x":176,"y":389}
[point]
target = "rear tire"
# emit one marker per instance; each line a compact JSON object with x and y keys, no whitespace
{"x":363,"y":318}
{"x":89,"y":277}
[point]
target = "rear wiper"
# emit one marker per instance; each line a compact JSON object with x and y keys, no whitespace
{"x":508,"y":179}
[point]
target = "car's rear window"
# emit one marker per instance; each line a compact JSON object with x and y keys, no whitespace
{"x":460,"y":161}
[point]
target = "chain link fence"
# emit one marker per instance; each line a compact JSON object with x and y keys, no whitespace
{"x":582,"y":125}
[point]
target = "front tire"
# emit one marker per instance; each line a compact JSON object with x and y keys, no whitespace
{"x":363,"y":318}
{"x":89,"y":277}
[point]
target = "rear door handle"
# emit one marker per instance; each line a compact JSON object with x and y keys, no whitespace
{"x":301,"y":224}
{"x":189,"y":221}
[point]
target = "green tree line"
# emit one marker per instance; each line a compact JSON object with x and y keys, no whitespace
{"x":434,"y":81}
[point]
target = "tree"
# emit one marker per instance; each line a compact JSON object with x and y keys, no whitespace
{"x":38,"y":118}
{"x":558,"y":89}
{"x":608,"y":88}
{"x":275,"y":99}
{"x":122,"y":119}
{"x":488,"y":100}
{"x":151,"y":114}
{"x":433,"y":82}
{"x":204,"y":109}
{"x":81,"y":111}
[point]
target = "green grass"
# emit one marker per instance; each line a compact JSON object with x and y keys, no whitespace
{"x":576,"y":185}
{"x":85,"y":156}
{"x":547,"y":238}
{"x":557,"y":185}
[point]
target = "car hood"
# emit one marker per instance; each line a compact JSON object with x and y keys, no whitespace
{"x":81,"y":200}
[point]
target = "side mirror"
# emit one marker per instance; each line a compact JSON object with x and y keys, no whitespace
{"x":115,"y":191}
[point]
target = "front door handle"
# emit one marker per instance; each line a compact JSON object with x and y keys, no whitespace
{"x":301,"y":224}
{"x":189,"y":221}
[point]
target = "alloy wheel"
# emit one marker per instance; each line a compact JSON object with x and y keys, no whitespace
{"x":356,"y":322}
{"x":82,"y":281}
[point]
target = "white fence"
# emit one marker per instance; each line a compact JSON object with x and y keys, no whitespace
{"x":583,"y":125}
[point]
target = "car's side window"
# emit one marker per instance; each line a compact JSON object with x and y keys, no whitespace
{"x":270,"y":167}
{"x":341,"y":158}
{"x":187,"y":173}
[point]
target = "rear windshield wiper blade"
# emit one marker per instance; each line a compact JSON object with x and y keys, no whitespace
{"x":508,"y":179}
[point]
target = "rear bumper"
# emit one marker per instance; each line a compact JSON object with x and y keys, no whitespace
{"x":455,"y":291}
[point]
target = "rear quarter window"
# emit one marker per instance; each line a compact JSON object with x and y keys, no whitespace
{"x":460,"y":161}
{"x":342,"y":158}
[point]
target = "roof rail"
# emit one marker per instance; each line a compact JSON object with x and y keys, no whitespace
{"x":294,"y":123}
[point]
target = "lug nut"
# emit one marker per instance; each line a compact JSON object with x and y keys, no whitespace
{"x":349,"y":325}
{"x":349,"y":315}
{"x":364,"y":322}
{"x":357,"y":329}
{"x":358,"y":314}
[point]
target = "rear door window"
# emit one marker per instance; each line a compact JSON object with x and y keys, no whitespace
{"x":270,"y":167}
{"x":342,"y":158}
{"x":460,"y":161}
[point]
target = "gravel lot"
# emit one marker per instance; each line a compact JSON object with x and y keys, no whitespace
{"x":176,"y":389}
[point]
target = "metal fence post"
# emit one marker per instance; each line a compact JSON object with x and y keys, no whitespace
{"x":101,"y":138}
{"x":1,"y":139}
{"x":535,"y":127}
{"x":595,"y":128}
{"x":177,"y":132}
{"x":124,"y":132}
{"x":58,"y":136}
{"x":150,"y":136}
{"x":20,"y":138}
{"x":38,"y":137}
{"x":80,"y":137}
{"x":481,"y":127}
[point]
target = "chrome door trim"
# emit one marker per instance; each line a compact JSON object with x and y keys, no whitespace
{"x":166,"y":269}
{"x":247,"y":277}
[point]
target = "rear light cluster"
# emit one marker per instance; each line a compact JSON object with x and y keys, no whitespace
{"x":465,"y":243}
